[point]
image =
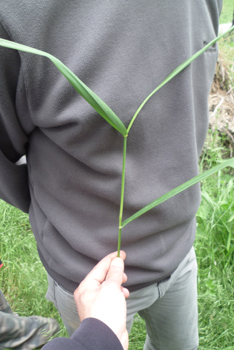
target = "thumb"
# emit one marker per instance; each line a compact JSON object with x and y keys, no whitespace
{"x":116,"y":270}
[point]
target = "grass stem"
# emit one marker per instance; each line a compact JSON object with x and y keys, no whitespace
{"x":122,"y":194}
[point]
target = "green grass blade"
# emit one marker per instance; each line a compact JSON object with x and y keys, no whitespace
{"x":175,"y":72}
{"x":231,"y":218}
{"x":99,"y":105}
{"x":122,"y":195}
{"x":178,"y":189}
{"x":229,"y":235}
{"x":208,"y":200}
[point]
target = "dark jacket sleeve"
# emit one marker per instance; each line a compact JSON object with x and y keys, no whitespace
{"x":13,"y":139}
{"x":91,"y":335}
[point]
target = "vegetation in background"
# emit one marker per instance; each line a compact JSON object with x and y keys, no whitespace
{"x":227,"y":11}
{"x":226,"y":56}
{"x":215,"y":252}
{"x":23,"y":279}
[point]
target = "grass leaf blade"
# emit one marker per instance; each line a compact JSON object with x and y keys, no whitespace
{"x":100,"y":106}
{"x":178,"y":189}
{"x":231,"y":218}
{"x":175,"y":72}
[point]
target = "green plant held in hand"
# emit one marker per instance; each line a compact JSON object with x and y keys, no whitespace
{"x":107,"y":113}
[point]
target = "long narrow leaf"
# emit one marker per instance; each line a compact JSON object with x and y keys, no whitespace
{"x":231,"y":218}
{"x":99,"y":105}
{"x":179,"y":189}
{"x":175,"y":72}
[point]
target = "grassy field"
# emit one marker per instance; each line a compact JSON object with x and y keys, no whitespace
{"x":227,"y":11}
{"x":226,"y":45}
{"x":24,"y":282}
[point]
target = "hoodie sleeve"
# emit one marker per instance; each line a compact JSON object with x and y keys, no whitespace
{"x":14,"y":187}
{"x":92,"y":334}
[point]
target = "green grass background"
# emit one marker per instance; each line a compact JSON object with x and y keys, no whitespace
{"x":24,"y":282}
{"x":227,"y":11}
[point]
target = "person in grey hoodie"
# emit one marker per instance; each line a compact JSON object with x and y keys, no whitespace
{"x":71,"y":182}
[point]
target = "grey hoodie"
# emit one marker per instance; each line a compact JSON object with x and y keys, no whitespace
{"x":71,"y":184}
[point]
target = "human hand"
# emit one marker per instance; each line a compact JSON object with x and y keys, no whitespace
{"x":100,"y":295}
